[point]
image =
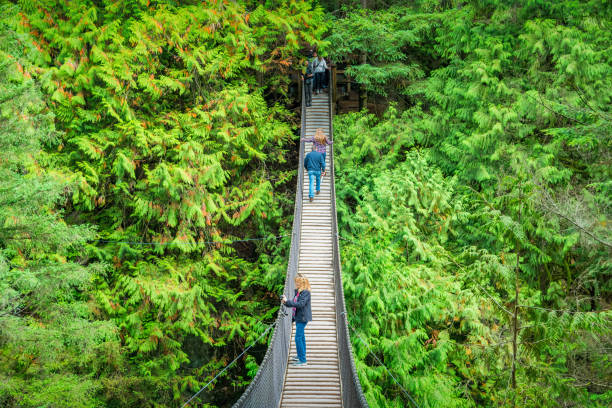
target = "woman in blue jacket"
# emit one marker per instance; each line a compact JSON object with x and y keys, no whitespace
{"x":302,"y":314}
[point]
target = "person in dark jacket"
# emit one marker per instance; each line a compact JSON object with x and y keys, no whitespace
{"x":302,"y":314}
{"x":314,"y":162}
{"x":308,"y":78}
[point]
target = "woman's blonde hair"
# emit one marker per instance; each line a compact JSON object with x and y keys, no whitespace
{"x":320,"y":137}
{"x":301,"y":283}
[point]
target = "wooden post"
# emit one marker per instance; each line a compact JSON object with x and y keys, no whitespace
{"x":334,"y":85}
{"x":348,"y":85}
{"x":363,"y":93}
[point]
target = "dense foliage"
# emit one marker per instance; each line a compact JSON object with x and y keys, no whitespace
{"x":139,"y":138}
{"x":165,"y":123}
{"x":50,"y":344}
{"x":491,"y":176}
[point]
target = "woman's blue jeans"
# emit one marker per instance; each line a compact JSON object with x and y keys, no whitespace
{"x":312,"y":175}
{"x":300,"y":341}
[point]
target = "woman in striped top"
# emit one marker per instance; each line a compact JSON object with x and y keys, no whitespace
{"x":320,"y":142}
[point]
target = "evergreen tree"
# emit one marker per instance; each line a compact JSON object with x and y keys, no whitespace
{"x":174,"y":132}
{"x":509,"y":107}
{"x":429,"y":272}
{"x":52,"y":346}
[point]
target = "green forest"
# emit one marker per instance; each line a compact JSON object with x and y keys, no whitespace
{"x":148,"y":164}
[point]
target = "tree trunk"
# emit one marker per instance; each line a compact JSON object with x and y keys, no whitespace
{"x":363,"y":94}
{"x":516,"y":307}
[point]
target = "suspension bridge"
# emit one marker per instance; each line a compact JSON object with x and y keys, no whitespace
{"x":330,"y":379}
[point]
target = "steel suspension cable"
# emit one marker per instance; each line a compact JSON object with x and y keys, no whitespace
{"x":190,"y":242}
{"x":228,"y":366}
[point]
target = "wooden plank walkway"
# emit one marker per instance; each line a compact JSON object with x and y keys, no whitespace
{"x":318,"y":384}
